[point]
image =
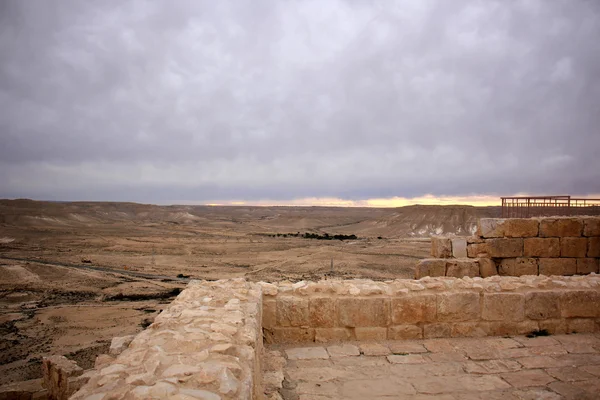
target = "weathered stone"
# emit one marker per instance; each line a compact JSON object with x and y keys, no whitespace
{"x":292,"y":311}
{"x":503,"y":328}
{"x":441,"y":247}
{"x":541,"y":247}
{"x":290,"y":335}
{"x":269,"y":314}
{"x":527,"y":378}
{"x":457,"y":306}
{"x":404,"y":332}
{"x":461,"y":267}
{"x":490,"y":227}
{"x":321,"y":312}
{"x":510,"y":228}
{"x":406,"y":359}
{"x":503,"y":307}
{"x":542,"y":305}
{"x":581,"y":325}
{"x":363,"y":312}
{"x":560,"y":227}
{"x":439,"y":330}
{"x":343,"y":350}
{"x":487,"y":267}
{"x":500,"y":248}
{"x":475,"y":250}
{"x":413,"y":309}
{"x":580,"y":303}
{"x":370,"y":333}
{"x":557,"y":266}
{"x":118,"y":344}
{"x":430,"y":267}
{"x":518,"y":266}
{"x":307,"y":353}
{"x":593,"y":249}
{"x":591,"y":226}
{"x":333,"y":334}
{"x":587,"y":265}
{"x":374,"y":349}
{"x":459,"y":247}
{"x":57,"y":371}
{"x":573,"y":247}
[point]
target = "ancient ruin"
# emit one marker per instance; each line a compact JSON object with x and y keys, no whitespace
{"x":234,"y":339}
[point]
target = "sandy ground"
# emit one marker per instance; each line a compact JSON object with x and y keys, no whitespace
{"x":74,"y":275}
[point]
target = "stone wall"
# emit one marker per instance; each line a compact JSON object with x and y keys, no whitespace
{"x":429,"y":308}
{"x":206,"y":345}
{"x":517,"y":247}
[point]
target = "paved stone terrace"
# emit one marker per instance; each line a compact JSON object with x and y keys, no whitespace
{"x":551,"y":367}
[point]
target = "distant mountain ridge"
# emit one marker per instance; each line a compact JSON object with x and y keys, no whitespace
{"x":409,"y":221}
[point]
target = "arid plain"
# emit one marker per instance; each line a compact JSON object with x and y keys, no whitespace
{"x":74,"y":275}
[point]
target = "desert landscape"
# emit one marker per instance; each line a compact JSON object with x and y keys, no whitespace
{"x":75,"y":275}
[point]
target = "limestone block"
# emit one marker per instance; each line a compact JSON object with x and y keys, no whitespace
{"x":458,"y":306}
{"x":500,"y":248}
{"x":561,"y":227}
{"x":292,"y":311}
{"x":541,"y":247}
{"x":593,"y":247}
{"x":370,"y":333}
{"x":557,"y":266}
{"x":591,"y":226}
{"x":554,"y":326}
{"x":510,"y":228}
{"x":290,"y":335}
{"x":437,"y":330}
{"x":118,"y":344}
{"x":441,"y":247}
{"x":581,"y":325}
{"x":573,"y":246}
{"x":518,"y":266}
{"x":503,"y":307}
{"x":321,"y":312}
{"x":461,"y":267}
{"x":57,"y":370}
{"x":324,"y":335}
{"x":474,"y":239}
{"x":587,"y":265}
{"x":307,"y":353}
{"x":487,"y":267}
{"x":467,"y":329}
{"x":430,"y":267}
{"x":413,"y":309}
{"x":580,"y":303}
{"x":343,"y":350}
{"x":542,"y":305}
{"x":269,"y":319}
{"x":404,"y":332}
{"x":459,"y":247}
{"x":504,"y":328}
{"x":475,"y":250}
{"x":490,"y":227}
{"x":363,"y":312}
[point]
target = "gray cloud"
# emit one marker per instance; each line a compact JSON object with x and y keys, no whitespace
{"x":201,"y":100}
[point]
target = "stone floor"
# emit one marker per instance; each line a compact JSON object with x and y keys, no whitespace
{"x":551,"y":367}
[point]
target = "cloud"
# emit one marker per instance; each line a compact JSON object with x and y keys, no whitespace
{"x":243,"y":101}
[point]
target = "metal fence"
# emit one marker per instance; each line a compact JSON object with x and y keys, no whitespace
{"x":547,"y":206}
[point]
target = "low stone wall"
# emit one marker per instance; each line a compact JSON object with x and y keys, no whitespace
{"x":206,"y":345}
{"x":429,"y":308}
{"x":517,"y":247}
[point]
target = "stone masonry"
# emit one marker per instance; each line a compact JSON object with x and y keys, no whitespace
{"x":206,"y":345}
{"x":517,"y":247}
{"x":363,"y":310}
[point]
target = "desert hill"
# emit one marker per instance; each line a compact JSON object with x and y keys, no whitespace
{"x":411,"y":221}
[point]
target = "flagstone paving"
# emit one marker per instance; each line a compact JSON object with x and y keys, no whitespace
{"x":516,"y":368}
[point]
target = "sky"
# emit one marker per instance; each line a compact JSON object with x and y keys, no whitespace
{"x":323,"y":102}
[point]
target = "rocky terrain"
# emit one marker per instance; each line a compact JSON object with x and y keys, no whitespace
{"x":73,"y":275}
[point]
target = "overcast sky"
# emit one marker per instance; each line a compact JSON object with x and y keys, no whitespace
{"x":216,"y":101}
